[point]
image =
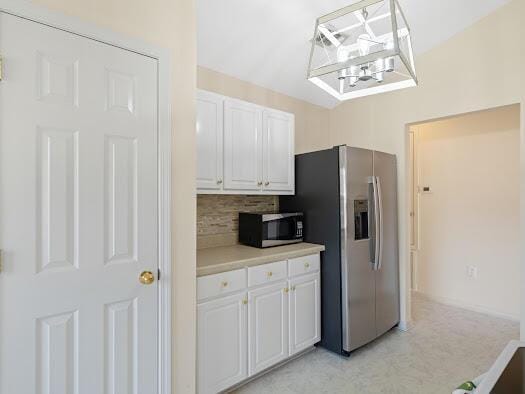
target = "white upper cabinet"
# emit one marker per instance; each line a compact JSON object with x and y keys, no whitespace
{"x":209,"y":140}
{"x":243,"y":148}
{"x":278,"y":148}
{"x":242,"y":145}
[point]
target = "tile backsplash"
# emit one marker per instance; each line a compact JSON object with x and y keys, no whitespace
{"x":218,"y":216}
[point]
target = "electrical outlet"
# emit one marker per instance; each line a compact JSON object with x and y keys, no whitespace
{"x":472,"y":271}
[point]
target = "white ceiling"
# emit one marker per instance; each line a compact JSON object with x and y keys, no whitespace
{"x":266,"y":42}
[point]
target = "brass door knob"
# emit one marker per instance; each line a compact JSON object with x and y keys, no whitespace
{"x":146,"y":278}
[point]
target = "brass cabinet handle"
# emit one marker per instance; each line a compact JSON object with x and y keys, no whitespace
{"x":224,"y":284}
{"x":146,"y":277}
{"x":286,"y":290}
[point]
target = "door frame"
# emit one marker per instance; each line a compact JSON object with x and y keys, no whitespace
{"x":39,"y":14}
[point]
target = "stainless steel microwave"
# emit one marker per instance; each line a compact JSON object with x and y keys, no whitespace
{"x":264,"y":230}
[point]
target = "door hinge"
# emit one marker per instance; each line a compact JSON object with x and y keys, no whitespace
{"x":158,"y":274}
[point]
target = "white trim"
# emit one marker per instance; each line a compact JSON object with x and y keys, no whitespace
{"x":467,"y":306}
{"x":404,"y":325}
{"x":389,"y":87}
{"x":491,"y":377}
{"x":30,"y":11}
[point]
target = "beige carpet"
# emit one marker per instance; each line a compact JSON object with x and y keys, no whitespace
{"x":445,"y":346}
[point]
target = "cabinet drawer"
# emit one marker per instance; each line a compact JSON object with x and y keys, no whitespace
{"x":266,"y":273}
{"x":304,"y":265}
{"x":219,"y":284}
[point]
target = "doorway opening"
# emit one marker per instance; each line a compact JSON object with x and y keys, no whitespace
{"x":464,"y":228}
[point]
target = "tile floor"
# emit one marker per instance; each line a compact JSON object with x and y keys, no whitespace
{"x":445,"y":346}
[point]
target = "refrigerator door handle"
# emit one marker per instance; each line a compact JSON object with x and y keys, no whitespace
{"x":374,"y":247}
{"x":379,"y":239}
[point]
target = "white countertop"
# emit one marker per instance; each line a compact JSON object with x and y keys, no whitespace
{"x":228,"y":258}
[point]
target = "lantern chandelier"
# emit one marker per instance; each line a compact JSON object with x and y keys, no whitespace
{"x":362,"y":49}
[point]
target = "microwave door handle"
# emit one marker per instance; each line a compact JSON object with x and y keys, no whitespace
{"x":380,"y":205}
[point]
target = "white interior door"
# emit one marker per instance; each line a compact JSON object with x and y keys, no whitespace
{"x":267,"y":326}
{"x":278,"y":151}
{"x":78,"y":207}
{"x":242,"y":145}
{"x":209,"y":140}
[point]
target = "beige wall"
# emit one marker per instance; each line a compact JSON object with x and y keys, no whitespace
{"x":471,"y":164}
{"x":477,"y":69}
{"x":171,"y":25}
{"x":311,"y":121}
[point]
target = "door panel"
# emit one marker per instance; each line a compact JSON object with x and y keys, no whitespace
{"x":278,"y":151}
{"x":209,"y":140}
{"x":387,"y":277}
{"x":78,"y":201}
{"x":360,"y":280}
{"x":242,"y":145}
{"x":221,"y":343}
{"x":267,"y":326}
{"x":305,"y":312}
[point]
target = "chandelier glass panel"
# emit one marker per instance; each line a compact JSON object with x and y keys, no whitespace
{"x":362,"y":49}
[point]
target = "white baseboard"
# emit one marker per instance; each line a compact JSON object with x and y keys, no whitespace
{"x":467,"y":306}
{"x":404,"y":325}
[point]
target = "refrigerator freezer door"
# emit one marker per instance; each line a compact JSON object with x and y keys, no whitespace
{"x":387,"y":274}
{"x":357,"y":273}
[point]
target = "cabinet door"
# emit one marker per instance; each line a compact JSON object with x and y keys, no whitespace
{"x":242,"y":145}
{"x":209,"y":140}
{"x":278,"y":151}
{"x":221,"y":343}
{"x":267,"y":326}
{"x":305,"y":312}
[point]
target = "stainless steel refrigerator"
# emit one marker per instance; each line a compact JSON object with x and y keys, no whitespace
{"x":349,"y":199}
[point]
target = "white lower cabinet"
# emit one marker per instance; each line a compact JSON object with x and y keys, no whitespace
{"x":222,"y":337}
{"x":252,"y":328}
{"x":305,"y":312}
{"x":267,"y":326}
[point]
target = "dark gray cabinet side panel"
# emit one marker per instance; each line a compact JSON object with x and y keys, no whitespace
{"x":317,"y":195}
{"x":387,"y":277}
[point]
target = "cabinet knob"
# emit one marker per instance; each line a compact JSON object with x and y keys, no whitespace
{"x":245,"y":302}
{"x":306,"y":265}
{"x":270,"y":274}
{"x":219,"y":181}
{"x":286,"y":290}
{"x":266,"y":183}
{"x":293,"y":288}
{"x":224,"y":284}
{"x":259,"y":183}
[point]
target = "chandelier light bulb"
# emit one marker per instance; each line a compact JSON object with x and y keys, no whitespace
{"x":343,"y":53}
{"x":389,"y":64}
{"x":363,"y":43}
{"x":380,"y":64}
